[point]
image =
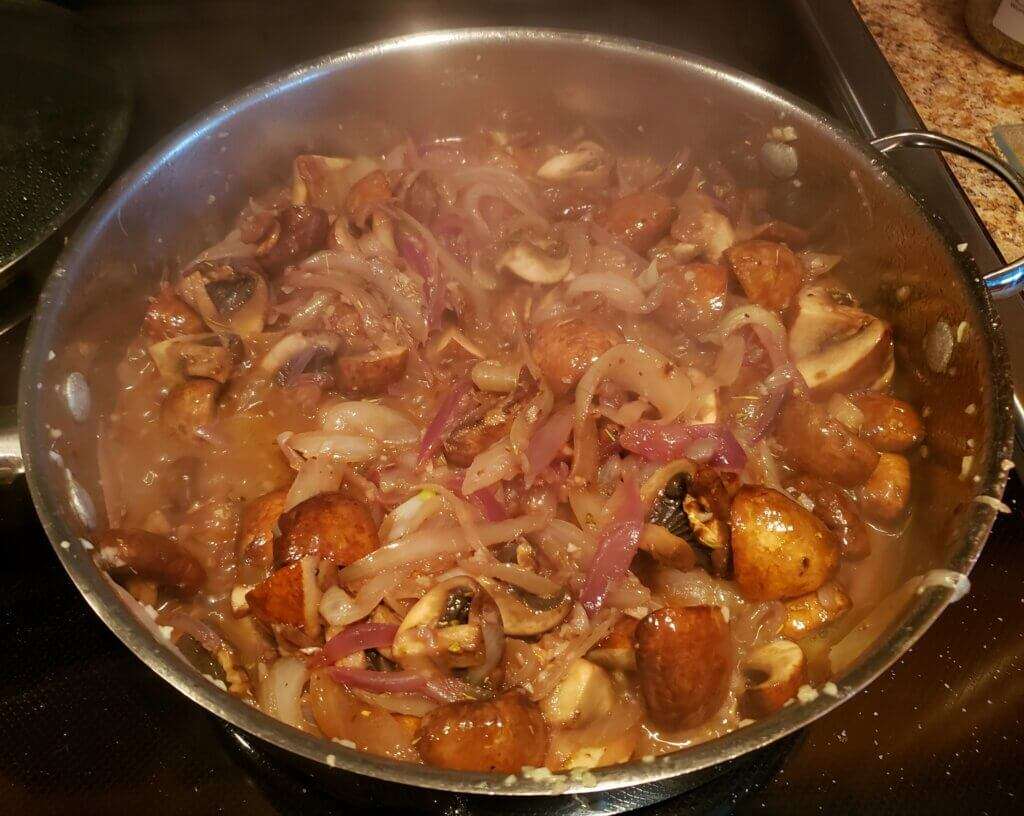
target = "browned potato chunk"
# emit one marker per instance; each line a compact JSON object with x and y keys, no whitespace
{"x":189,"y":407}
{"x":779,"y":549}
{"x":496,"y":736}
{"x":259,"y":520}
{"x":883,"y":497}
{"x":639,"y":220}
{"x":151,"y":557}
{"x":365,"y":195}
{"x":296,"y":233}
{"x":694,"y":296}
{"x":814,"y":442}
{"x":890,"y":425}
{"x":290,"y":597}
{"x":773,"y":674}
{"x":369,"y":375}
{"x":330,"y":526}
{"x":684,"y":660}
{"x":169,"y":316}
{"x":615,"y":652}
{"x":565,"y":347}
{"x":839,"y":513}
{"x":808,"y":613}
{"x":769,"y":273}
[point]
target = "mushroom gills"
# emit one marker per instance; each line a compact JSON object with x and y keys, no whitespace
{"x":687,"y":520}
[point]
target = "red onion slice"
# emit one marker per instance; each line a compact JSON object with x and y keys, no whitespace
{"x":486,"y":501}
{"x":617,"y":543}
{"x":434,"y":435}
{"x":663,"y":443}
{"x":448,"y":690}
{"x":547,"y":441}
{"x":415,"y":254}
{"x":354,"y":639}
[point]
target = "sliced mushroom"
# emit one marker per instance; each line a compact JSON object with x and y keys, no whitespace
{"x":616,"y":652}
{"x":534,"y":262}
{"x":823,"y":314}
{"x":369,"y":375}
{"x":586,"y":158}
{"x":213,"y":362}
{"x":443,"y":628}
{"x":565,"y":347}
{"x":584,"y":695}
{"x":773,"y":674}
{"x":151,"y":557}
{"x":289,"y":597}
{"x":230,"y":294}
{"x":325,"y":181}
{"x":484,"y":424}
{"x":852,"y":364}
{"x":365,"y":196}
{"x":702,"y":227}
{"x":523,"y":614}
{"x":806,"y":614}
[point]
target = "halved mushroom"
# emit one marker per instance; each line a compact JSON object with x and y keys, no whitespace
{"x":289,"y":597}
{"x":211,"y":361}
{"x":297,"y":232}
{"x":889,"y":424}
{"x":584,"y":695}
{"x":443,"y":629}
{"x":369,"y":375}
{"x":189,"y":407}
{"x":325,"y":181}
{"x":256,"y":529}
{"x":814,"y":442}
{"x":524,"y":614}
{"x":151,"y":557}
{"x":808,"y":613}
{"x":565,"y":347}
{"x":689,"y":511}
{"x":693,"y":296}
{"x":229,"y":293}
{"x":365,"y":196}
{"x":701,"y":227}
{"x":535,"y":262}
{"x":639,"y":220}
{"x":779,"y":548}
{"x":884,"y":496}
{"x":769,"y":272}
{"x":857,"y":362}
{"x":616,"y":652}
{"x":834,"y":507}
{"x":773,"y":674}
{"x":168,"y":316}
{"x":328,"y":525}
{"x":823,"y":313}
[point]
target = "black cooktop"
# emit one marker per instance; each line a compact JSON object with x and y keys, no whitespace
{"x":87,"y":729}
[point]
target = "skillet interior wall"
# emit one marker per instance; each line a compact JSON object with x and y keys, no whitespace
{"x":190,"y":199}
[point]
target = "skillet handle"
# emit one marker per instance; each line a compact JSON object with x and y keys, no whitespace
{"x":11,"y":463}
{"x":1004,"y":282}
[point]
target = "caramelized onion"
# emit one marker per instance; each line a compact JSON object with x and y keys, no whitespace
{"x":617,"y":543}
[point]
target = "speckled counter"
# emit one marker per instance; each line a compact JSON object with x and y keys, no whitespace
{"x":959,"y":90}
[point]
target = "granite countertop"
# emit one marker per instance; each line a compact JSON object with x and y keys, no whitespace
{"x":959,"y":90}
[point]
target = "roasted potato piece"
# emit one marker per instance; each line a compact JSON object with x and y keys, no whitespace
{"x":296,"y":233}
{"x":565,"y":347}
{"x":365,"y":195}
{"x":769,"y":273}
{"x":328,"y":525}
{"x":639,"y":220}
{"x":189,"y":407}
{"x":151,"y":557}
{"x":694,"y":297}
{"x":883,"y":497}
{"x":167,"y":316}
{"x":779,"y":549}
{"x":290,"y":597}
{"x":773,"y":674}
{"x":808,"y":613}
{"x":256,"y":533}
{"x":814,"y":442}
{"x":839,"y":513}
{"x":369,"y":375}
{"x":616,"y":651}
{"x":890,"y":425}
{"x":496,"y":736}
{"x":684,"y":660}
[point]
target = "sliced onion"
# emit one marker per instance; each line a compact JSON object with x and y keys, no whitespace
{"x":415,"y":255}
{"x":765,"y":324}
{"x":409,"y":515}
{"x":547,"y":442}
{"x":316,"y":476}
{"x":341,"y":446}
{"x":729,"y":361}
{"x":495,"y":377}
{"x":818,"y":263}
{"x":578,"y":645}
{"x":338,"y":608}
{"x":617,"y":543}
{"x":400,"y":682}
{"x":352,"y":639}
{"x":496,"y":464}
{"x":439,"y":426}
{"x":620,"y":292}
{"x":663,"y":443}
{"x":200,"y":632}
{"x":280,"y":692}
{"x":511,"y":574}
{"x":387,"y":425}
{"x":487,"y":503}
{"x":428,"y":544}
{"x":840,"y":407}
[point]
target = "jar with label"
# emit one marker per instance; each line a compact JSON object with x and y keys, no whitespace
{"x":998,"y":27}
